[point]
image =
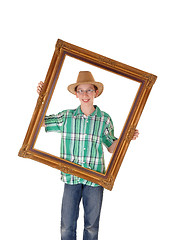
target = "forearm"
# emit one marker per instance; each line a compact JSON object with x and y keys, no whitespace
{"x":112,"y":147}
{"x":43,"y":124}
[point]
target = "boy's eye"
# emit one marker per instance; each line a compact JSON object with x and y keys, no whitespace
{"x":80,"y":91}
{"x":89,"y":91}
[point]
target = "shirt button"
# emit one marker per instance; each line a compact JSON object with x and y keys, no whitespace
{"x":84,"y":149}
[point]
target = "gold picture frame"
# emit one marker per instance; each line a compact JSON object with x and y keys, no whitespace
{"x":146,"y":81}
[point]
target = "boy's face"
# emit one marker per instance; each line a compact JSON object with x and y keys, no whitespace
{"x":86,"y":93}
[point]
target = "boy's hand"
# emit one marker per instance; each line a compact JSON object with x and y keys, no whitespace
{"x":39,"y":87}
{"x":136,"y":133}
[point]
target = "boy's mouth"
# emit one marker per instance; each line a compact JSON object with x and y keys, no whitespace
{"x":85,"y":100}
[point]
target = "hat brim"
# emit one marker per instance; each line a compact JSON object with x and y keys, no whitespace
{"x":100,"y":87}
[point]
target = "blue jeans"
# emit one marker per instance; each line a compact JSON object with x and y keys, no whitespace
{"x":92,"y":202}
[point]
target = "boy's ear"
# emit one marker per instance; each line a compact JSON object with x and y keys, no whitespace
{"x":96,"y":93}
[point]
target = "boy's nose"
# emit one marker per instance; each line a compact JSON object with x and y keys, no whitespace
{"x":85,"y":93}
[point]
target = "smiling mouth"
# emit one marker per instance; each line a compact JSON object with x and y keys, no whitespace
{"x":85,"y":100}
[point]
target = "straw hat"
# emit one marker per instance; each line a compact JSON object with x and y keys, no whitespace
{"x":85,"y":77}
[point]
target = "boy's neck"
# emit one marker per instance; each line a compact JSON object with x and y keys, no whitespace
{"x":87,"y":110}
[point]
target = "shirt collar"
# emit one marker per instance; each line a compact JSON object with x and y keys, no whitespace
{"x":97,"y":112}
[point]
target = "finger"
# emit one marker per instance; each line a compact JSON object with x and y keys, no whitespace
{"x":41,"y":83}
{"x":136,"y":132}
{"x":38,"y":89}
{"x":39,"y":86}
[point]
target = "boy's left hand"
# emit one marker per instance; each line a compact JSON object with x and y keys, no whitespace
{"x":136,"y":133}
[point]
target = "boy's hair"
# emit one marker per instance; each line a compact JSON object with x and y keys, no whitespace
{"x":96,"y":88}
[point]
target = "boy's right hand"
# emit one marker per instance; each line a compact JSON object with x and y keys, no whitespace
{"x":39,"y":87}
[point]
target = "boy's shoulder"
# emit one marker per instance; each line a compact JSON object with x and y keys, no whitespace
{"x":106,"y":117}
{"x":104,"y":114}
{"x":68,"y":112}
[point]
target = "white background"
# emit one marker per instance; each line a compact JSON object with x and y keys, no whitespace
{"x":137,"y":33}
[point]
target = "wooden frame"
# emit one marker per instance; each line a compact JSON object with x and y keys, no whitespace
{"x":146,"y":81}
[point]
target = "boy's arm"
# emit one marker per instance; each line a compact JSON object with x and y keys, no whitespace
{"x":112,"y":147}
{"x":39,"y":89}
{"x":53,"y":122}
{"x":43,"y":124}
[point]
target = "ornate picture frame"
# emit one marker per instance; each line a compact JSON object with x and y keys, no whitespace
{"x":146,"y":81}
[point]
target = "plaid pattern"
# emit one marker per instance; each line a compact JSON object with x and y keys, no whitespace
{"x":82,"y":139}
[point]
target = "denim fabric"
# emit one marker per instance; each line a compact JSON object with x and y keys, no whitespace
{"x":92,"y":202}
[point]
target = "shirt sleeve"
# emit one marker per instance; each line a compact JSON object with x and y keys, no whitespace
{"x":108,"y":135}
{"x":55,"y":122}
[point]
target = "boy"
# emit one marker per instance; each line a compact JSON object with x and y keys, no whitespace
{"x":84,"y":130}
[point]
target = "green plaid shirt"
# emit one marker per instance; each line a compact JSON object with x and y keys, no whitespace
{"x":82,"y":139}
